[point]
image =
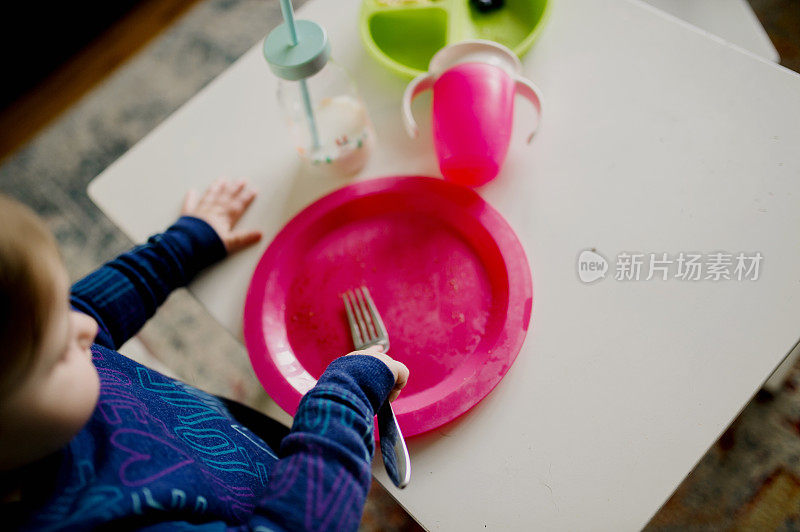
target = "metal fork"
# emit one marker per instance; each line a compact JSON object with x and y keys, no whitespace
{"x":367,"y":330}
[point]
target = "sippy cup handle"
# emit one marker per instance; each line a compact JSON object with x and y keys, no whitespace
{"x":530,"y":91}
{"x":419,"y":84}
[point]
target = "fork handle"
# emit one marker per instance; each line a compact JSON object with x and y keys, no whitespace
{"x":393,"y":447}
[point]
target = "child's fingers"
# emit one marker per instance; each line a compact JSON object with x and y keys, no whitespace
{"x":402,"y":376}
{"x":239,"y":241}
{"x":402,"y":380}
{"x":189,"y":201}
{"x":398,"y":369}
{"x":225,"y":192}
{"x":229,"y":190}
{"x":216,"y":189}
{"x":212,"y":193}
{"x":216,"y":186}
{"x":247,"y":198}
{"x":236,"y":187}
{"x":373,"y":351}
{"x":240,"y":203}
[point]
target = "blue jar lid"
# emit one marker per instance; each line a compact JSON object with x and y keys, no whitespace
{"x":297,"y":61}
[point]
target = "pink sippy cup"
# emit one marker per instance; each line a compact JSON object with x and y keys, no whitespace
{"x":474,"y":84}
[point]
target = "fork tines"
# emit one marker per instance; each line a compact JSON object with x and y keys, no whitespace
{"x":366,"y":325}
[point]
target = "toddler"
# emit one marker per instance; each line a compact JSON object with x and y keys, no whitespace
{"x":90,"y":439}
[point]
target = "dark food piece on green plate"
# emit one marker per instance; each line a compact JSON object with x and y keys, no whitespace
{"x":484,"y":6}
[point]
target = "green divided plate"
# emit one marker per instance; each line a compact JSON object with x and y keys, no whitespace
{"x":404,"y":35}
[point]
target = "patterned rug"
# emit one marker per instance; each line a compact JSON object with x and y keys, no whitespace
{"x":750,"y":479}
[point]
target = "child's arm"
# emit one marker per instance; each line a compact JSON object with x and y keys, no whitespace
{"x":323,"y":477}
{"x":124,"y":293}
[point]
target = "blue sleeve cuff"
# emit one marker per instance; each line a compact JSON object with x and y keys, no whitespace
{"x":206,"y":245}
{"x":360,"y":373}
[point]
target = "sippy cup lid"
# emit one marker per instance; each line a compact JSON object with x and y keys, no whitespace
{"x":297,"y":61}
{"x":475,"y":51}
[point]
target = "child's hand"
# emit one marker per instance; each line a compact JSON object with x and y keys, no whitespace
{"x":221,"y":206}
{"x":398,"y":369}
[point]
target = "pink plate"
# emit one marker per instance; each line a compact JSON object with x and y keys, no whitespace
{"x":447,"y":274}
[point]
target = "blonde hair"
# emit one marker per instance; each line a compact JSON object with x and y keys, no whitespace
{"x":27,"y":288}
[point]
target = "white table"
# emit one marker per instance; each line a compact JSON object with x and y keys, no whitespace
{"x":656,"y":138}
{"x":732,"y":20}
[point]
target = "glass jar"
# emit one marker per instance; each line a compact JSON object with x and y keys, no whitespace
{"x":337,"y":136}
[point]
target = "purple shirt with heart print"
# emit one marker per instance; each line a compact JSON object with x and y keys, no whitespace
{"x":158,"y":454}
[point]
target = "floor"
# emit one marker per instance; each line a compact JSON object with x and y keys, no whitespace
{"x":20,"y":121}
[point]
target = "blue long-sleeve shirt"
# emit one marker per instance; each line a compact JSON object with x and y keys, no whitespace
{"x":158,"y":454}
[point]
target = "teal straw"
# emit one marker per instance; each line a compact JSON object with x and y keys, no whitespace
{"x":312,"y":122}
{"x":288,"y":15}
